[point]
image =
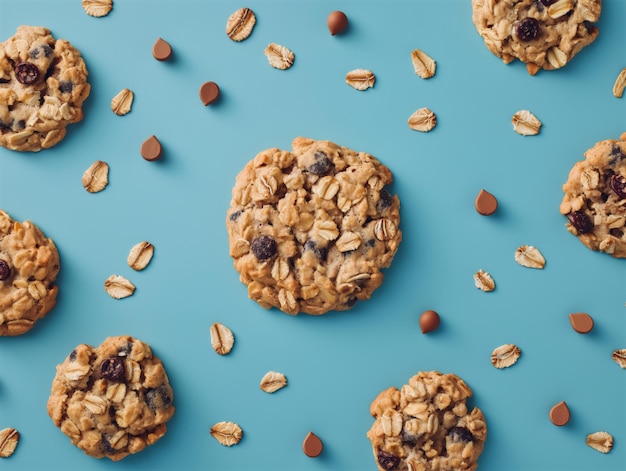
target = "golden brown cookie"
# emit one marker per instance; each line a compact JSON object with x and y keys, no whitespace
{"x":113,"y":400}
{"x":310,"y":229}
{"x":43,"y":84}
{"x":426,"y":425}
{"x":29,"y":264}
{"x":595,"y":198}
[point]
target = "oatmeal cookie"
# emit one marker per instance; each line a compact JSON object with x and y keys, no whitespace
{"x":113,"y":400}
{"x":595,"y":198}
{"x":426,"y":426}
{"x":544,"y":34}
{"x":29,"y":264}
{"x":43,"y":84}
{"x":311,"y":229}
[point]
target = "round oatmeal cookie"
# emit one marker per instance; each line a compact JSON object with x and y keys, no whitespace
{"x":595,"y":198}
{"x":113,"y":400}
{"x":29,"y":264}
{"x":426,"y":426}
{"x":311,"y":229}
{"x":43,"y":84}
{"x":544,"y":34}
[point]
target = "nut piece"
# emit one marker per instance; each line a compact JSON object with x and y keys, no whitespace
{"x":240,"y":24}
{"x":423,"y":120}
{"x":140,"y":255}
{"x":273,"y":381}
{"x":484,"y":281}
{"x":423,"y":64}
{"x":96,"y":177}
{"x":360,"y":79}
{"x":600,"y":441}
{"x":526,"y":123}
{"x":227,"y":433}
{"x":619,"y":356}
{"x":122,"y":102}
{"x":8,"y":441}
{"x":620,"y":84}
{"x":222,"y":338}
{"x":529,"y":256}
{"x":118,"y":287}
{"x":279,"y":56}
{"x":97,"y":8}
{"x":505,"y":355}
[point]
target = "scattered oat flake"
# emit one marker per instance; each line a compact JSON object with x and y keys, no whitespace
{"x":529,"y":256}
{"x":8,"y":441}
{"x":222,"y":338}
{"x":619,"y":356}
{"x":484,"y":281}
{"x":526,"y":123}
{"x":505,"y":355}
{"x":227,"y":433}
{"x":240,"y":24}
{"x":600,"y":441}
{"x":423,"y":64}
{"x":360,"y":79}
{"x":121,"y":103}
{"x":97,"y":8}
{"x":620,"y":84}
{"x":272,"y":381}
{"x":279,"y":56}
{"x":118,"y":287}
{"x":96,"y":177}
{"x":140,"y":255}
{"x":423,"y":120}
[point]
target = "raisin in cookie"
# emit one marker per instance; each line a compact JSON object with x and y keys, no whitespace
{"x":43,"y":84}
{"x":595,"y":198}
{"x":112,"y":400}
{"x":426,"y":426}
{"x":311,"y":229}
{"x":29,"y":264}
{"x":544,"y":34}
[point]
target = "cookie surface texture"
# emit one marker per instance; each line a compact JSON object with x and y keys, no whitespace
{"x":310,"y":229}
{"x":29,"y":264}
{"x":426,"y":426}
{"x":544,"y":34}
{"x":113,"y":400}
{"x":595,"y":198}
{"x":43,"y":84}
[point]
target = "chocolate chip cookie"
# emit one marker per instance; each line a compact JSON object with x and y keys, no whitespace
{"x":113,"y":400}
{"x":310,"y":229}
{"x":29,"y":264}
{"x":427,"y":426}
{"x":544,"y":34}
{"x":43,"y":84}
{"x":595,"y":198}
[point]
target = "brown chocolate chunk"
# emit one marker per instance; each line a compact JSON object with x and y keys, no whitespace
{"x":161,"y":50}
{"x":559,"y":414}
{"x":429,"y":321}
{"x":581,"y":322}
{"x":486,"y":204}
{"x":312,"y":445}
{"x":151,"y":149}
{"x":209,"y":92}
{"x":337,"y":22}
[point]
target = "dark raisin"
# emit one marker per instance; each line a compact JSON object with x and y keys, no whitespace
{"x":615,"y":232}
{"x":106,"y":446}
{"x":34,"y":53}
{"x":387,"y":461}
{"x":527,"y":29}
{"x":618,"y":185}
{"x":370,"y":243}
{"x":385,"y":200}
{"x":5,"y":270}
{"x":320,"y":252}
{"x":47,"y":50}
{"x":616,"y":154}
{"x":234,"y":216}
{"x":21,"y":124}
{"x":158,"y":398}
{"x":125,"y":349}
{"x":547,"y":3}
{"x":352,"y":301}
{"x":113,"y":369}
{"x":264,"y":247}
{"x":321,"y":165}
{"x":66,"y":86}
{"x":73,"y":355}
{"x":581,"y":222}
{"x":460,"y":434}
{"x":26,"y":73}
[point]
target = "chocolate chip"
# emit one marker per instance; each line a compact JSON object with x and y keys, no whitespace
{"x":527,"y":29}
{"x":618,"y":185}
{"x":429,"y":321}
{"x":337,"y":22}
{"x":559,"y":414}
{"x":385,"y":200}
{"x":209,"y":92}
{"x":485,"y":203}
{"x":581,"y":322}
{"x":387,"y":461}
{"x":351,"y":301}
{"x":460,"y":434}
{"x":312,"y":445}
{"x":264,"y":247}
{"x":581,"y":222}
{"x":66,"y":86}
{"x":161,"y":50}
{"x":26,"y":73}
{"x":321,"y":165}
{"x":151,"y":149}
{"x":158,"y":398}
{"x":125,"y":349}
{"x":113,"y":369}
{"x":5,"y":270}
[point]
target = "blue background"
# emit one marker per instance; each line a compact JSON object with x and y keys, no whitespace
{"x":335,"y":364}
